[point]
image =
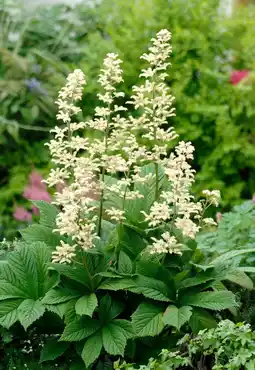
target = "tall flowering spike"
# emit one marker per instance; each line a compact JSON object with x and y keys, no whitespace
{"x":153,"y":98}
{"x":82,"y":163}
{"x":70,"y":93}
{"x":76,"y":218}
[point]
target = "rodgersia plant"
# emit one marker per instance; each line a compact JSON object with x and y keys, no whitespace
{"x":117,"y":151}
{"x":122,"y":234}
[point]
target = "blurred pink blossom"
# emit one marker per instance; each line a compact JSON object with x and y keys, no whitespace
{"x":218,"y":216}
{"x":238,"y":76}
{"x":21,"y":214}
{"x":253,"y":198}
{"x":35,"y":211}
{"x":36,"y":190}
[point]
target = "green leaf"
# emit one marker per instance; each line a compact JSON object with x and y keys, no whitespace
{"x":92,"y":348}
{"x":240,"y":278}
{"x":210,"y":300}
{"x":8,"y":290}
{"x":26,"y":268}
{"x":151,"y":288}
{"x":201,"y":319}
{"x":109,"y":308}
{"x":131,"y":242}
{"x":117,"y":284}
{"x":59,"y":295}
{"x":40,"y":233}
{"x":79,"y":329}
{"x":76,"y":273}
{"x":29,"y":311}
{"x":52,"y":349}
{"x":201,"y":278}
{"x":147,"y":320}
{"x":48,"y":213}
{"x":125,"y":264}
{"x":250,"y":269}
{"x":125,"y":326}
{"x":86,"y":305}
{"x":133,"y":208}
{"x":232,"y":254}
{"x":9,"y":312}
{"x":114,"y":340}
{"x":176,"y":317}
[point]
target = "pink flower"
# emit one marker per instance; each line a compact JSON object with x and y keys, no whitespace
{"x":36,"y":190}
{"x":35,"y":211}
{"x":253,"y":198}
{"x":238,"y":76}
{"x":35,"y":179}
{"x":218,"y":216}
{"x":36,"y":193}
{"x":21,"y":214}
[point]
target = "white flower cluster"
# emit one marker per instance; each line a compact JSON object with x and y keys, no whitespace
{"x":213,"y":197}
{"x":167,"y":244}
{"x":83,"y":164}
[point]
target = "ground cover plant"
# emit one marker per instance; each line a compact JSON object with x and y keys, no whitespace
{"x":229,"y":346}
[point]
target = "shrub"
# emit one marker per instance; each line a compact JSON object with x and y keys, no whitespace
{"x":36,"y":47}
{"x":125,"y":273}
{"x":216,"y":115}
{"x":229,"y":346}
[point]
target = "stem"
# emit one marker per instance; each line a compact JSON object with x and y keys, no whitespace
{"x":101,"y":208}
{"x":156,"y":170}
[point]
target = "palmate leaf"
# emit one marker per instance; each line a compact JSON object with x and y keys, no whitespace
{"x":124,"y":264}
{"x":48,"y":213}
{"x":76,"y":273}
{"x":8,"y":290}
{"x":151,"y":288}
{"x":131,"y":242}
{"x":109,"y":308}
{"x":200,"y":278}
{"x":29,"y":311}
{"x":92,"y":348}
{"x":86,"y":305}
{"x":232,"y":254}
{"x":52,"y":349}
{"x":201,"y":319}
{"x":250,"y":269}
{"x":59,"y":295}
{"x":210,"y":300}
{"x":133,"y":208}
{"x":117,"y":284}
{"x":176,"y":317}
{"x":80,"y":329}
{"x":40,"y":233}
{"x":26,"y":269}
{"x":114,"y":338}
{"x":9,"y":312}
{"x":147,"y":320}
{"x":59,"y":309}
{"x":239,"y":277}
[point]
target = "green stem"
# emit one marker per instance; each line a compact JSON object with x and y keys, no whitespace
{"x":156,"y":170}
{"x":101,"y":207}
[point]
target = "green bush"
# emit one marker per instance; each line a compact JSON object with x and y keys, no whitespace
{"x":37,"y":49}
{"x":229,"y":346}
{"x":215,"y":115}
